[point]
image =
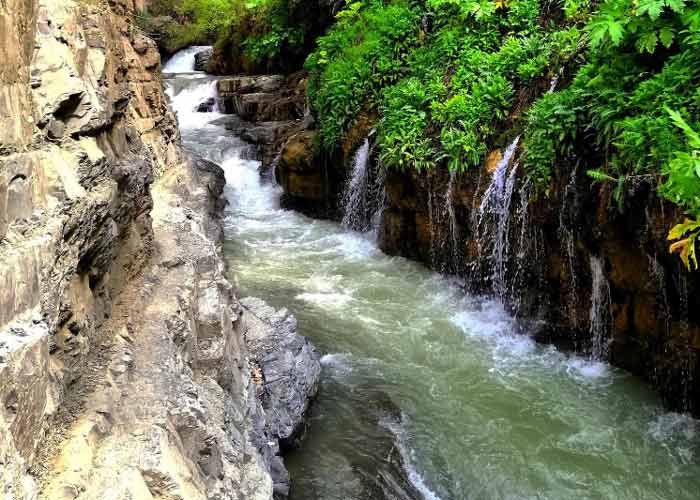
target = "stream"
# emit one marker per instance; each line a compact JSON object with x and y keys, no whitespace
{"x":427,"y":392}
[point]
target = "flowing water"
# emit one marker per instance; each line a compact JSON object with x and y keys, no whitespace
{"x":428,"y":393}
{"x":454,"y":259}
{"x":599,"y":315}
{"x":494,"y":216}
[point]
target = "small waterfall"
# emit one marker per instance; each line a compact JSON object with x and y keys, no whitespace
{"x":364,"y":197}
{"x":454,"y":262}
{"x":186,"y":101}
{"x":567,"y":237}
{"x":272,"y":172}
{"x":379,"y":200}
{"x":183,"y":61}
{"x":431,"y":226}
{"x":688,"y":360}
{"x":524,"y":242}
{"x":493,"y":217}
{"x":658,"y":274}
{"x":355,"y":196}
{"x":555,"y":81}
{"x":599,"y":315}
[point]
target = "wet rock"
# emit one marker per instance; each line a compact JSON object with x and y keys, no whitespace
{"x":271,"y":109}
{"x":206,"y":106}
{"x":266,"y":134}
{"x":312,"y":184}
{"x":286,"y":370}
{"x":201,"y":60}
{"x":289,"y":364}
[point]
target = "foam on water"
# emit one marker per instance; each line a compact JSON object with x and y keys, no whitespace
{"x":408,"y":458}
{"x":672,"y":425}
{"x":326,"y":300}
{"x":340,"y":363}
{"x":488,"y":321}
{"x":586,"y":369}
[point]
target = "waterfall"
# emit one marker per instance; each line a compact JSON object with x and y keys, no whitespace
{"x":493,"y":216}
{"x":599,"y":315}
{"x":185,"y":101}
{"x":555,"y":81}
{"x":355,"y":196}
{"x":567,"y":239}
{"x":183,"y":61}
{"x":272,"y":172}
{"x":524,"y":242}
{"x":454,"y":254}
{"x":363,"y":198}
{"x":378,"y":198}
{"x":658,"y":274}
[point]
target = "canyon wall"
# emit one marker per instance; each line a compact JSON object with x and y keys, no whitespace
{"x":124,"y":368}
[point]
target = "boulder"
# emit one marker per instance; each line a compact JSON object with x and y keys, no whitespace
{"x":201,"y":60}
{"x":290,"y":368}
{"x":286,"y":370}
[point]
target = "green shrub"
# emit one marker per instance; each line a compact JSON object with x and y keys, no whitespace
{"x":441,"y":93}
{"x":644,"y":61}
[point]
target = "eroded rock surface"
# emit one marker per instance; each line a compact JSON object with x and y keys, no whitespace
{"x":123,"y":368}
{"x":286,"y":371}
{"x":271,"y":109}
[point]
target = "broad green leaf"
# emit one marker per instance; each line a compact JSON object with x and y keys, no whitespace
{"x":647,"y":42}
{"x":616,"y":32}
{"x":666,"y":35}
{"x":675,"y":5}
{"x":652,"y":8}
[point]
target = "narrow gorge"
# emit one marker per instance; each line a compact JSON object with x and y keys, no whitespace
{"x":319,"y":252}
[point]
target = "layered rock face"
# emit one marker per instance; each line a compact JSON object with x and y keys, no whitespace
{"x":268,"y":110}
{"x":124,"y":371}
{"x":85,"y":127}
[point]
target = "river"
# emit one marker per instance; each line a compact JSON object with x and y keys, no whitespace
{"x":428,"y":392}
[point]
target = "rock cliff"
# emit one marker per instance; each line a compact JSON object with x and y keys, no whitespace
{"x":124,"y":371}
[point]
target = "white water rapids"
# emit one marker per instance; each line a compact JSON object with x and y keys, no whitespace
{"x":429,"y":393}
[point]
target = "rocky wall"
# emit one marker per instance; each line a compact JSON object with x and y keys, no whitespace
{"x":124,"y":370}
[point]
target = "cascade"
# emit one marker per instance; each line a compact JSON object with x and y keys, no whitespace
{"x":657,"y":272}
{"x":567,"y":237}
{"x":378,"y":197}
{"x":524,"y":242}
{"x":555,"y":81}
{"x":183,"y":61}
{"x":454,"y":254}
{"x":189,"y":98}
{"x":501,"y":248}
{"x":493,"y":216}
{"x":355,"y":195}
{"x":599,"y":315}
{"x":272,"y":172}
{"x":688,"y":359}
